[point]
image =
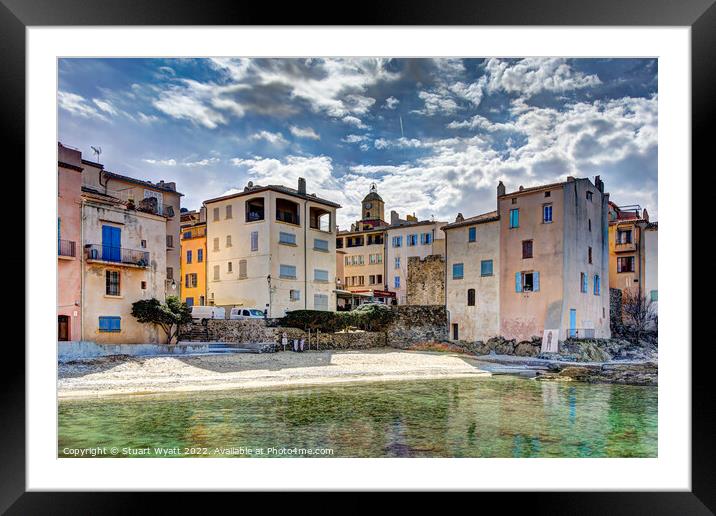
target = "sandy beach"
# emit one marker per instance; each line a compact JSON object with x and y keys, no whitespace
{"x":149,"y":375}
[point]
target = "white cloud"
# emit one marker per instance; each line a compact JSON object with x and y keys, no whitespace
{"x":105,"y":106}
{"x":437,"y":102}
{"x":535,"y":74}
{"x":304,"y":132}
{"x":164,"y":162}
{"x":272,"y":138}
{"x":354,"y":138}
{"x":201,"y":163}
{"x":391,"y":103}
{"x":147,"y":119}
{"x":354,"y":121}
{"x":78,"y":105}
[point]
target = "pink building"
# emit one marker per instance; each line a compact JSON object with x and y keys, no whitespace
{"x":69,"y":267}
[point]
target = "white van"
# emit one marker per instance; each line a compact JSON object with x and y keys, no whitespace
{"x":203,"y":313}
{"x":246,"y":313}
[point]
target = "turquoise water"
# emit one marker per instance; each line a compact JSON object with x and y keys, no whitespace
{"x":483,"y":417}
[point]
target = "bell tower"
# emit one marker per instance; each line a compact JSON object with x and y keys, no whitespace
{"x":373,"y":207}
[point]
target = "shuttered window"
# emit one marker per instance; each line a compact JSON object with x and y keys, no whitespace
{"x":286,"y":238}
{"x":320,"y":275}
{"x":110,"y":324}
{"x":216,"y":272}
{"x":472,"y":234}
{"x":320,"y":245}
{"x":320,"y":302}
{"x":254,"y":240}
{"x":287,"y":271}
{"x":515,"y":218}
{"x":486,"y":268}
{"x":457,"y":270}
{"x":242,"y":269}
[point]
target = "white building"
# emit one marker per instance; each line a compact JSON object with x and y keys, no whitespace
{"x":272,"y":248}
{"x":404,"y":239}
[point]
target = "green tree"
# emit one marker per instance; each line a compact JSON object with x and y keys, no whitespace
{"x":169,"y":316}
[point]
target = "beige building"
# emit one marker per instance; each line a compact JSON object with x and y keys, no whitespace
{"x":405,"y":239}
{"x":133,"y":192}
{"x":651,"y":263}
{"x":472,"y":286}
{"x":364,"y":253}
{"x":271,"y":248}
{"x":124,"y":260}
{"x":554,"y":260}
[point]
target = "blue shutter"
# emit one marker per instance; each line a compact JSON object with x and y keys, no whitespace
{"x":535,"y":281}
{"x":518,"y":282}
{"x":103,"y":324}
{"x":115,"y":324}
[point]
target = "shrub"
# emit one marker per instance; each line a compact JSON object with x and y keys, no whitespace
{"x":367,"y":317}
{"x":168,"y":316}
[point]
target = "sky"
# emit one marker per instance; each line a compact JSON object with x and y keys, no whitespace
{"x":435,"y":135}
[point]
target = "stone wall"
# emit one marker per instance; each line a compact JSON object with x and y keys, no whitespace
{"x":417,"y":324}
{"x":426,"y":280}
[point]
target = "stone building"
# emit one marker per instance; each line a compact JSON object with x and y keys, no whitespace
{"x":425,"y":284}
{"x":69,"y":259}
{"x":271,"y":248}
{"x":472,"y":285}
{"x":193,"y":257}
{"x":363,"y":253}
{"x":405,"y":239}
{"x":554,"y":259}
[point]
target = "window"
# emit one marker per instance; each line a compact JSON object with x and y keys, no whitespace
{"x":190,"y":280}
{"x":455,"y":333}
{"x":187,"y":234}
{"x":242,"y":269}
{"x":199,"y":255}
{"x":379,"y":279}
{"x":397,"y":263}
{"x":526,"y":249}
{"x":396,"y":282}
{"x":623,"y":236}
{"x":144,"y":285}
{"x":590,"y":224}
{"x":170,"y":241}
{"x":426,"y":238}
{"x":143,"y":243}
{"x":583,"y":282}
{"x":320,"y":302}
{"x":287,"y":271}
{"x":112,"y":283}
{"x":228,"y":240}
{"x":514,"y":218}
{"x":486,"y":268}
{"x":654,"y":295}
{"x":597,"y":285}
{"x":375,"y":239}
{"x":229,"y":267}
{"x":216,"y":214}
{"x":287,"y":211}
{"x":347,"y":260}
{"x":361,"y":280}
{"x":228,"y":212}
{"x":397,"y":241}
{"x":320,"y":219}
{"x":189,"y":301}
{"x":216,"y":272}
{"x":110,"y":324}
{"x":589,"y":254}
{"x":625,"y":264}
{"x":320,"y":245}
{"x":412,"y":240}
{"x":527,"y":281}
{"x":371,"y":279}
{"x":188,"y":256}
{"x":514,"y":200}
{"x":254,"y":240}
{"x":354,"y":241}
{"x":294,"y":295}
{"x":320,"y":275}
{"x":589,"y":195}
{"x":375,"y":258}
{"x":472,"y":234}
{"x":471,"y":297}
{"x":547,"y":213}
{"x":216,"y":244}
{"x":286,"y":238}
{"x":548,"y":194}
{"x":457,"y":270}
{"x":339,"y":243}
{"x":170,"y":272}
{"x":255,"y":209}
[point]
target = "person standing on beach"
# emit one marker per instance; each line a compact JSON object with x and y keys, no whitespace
{"x":284,"y":340}
{"x":303,"y":341}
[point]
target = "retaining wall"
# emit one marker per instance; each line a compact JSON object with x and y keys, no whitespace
{"x":76,"y":350}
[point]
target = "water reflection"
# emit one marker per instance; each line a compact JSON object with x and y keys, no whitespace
{"x":489,"y":417}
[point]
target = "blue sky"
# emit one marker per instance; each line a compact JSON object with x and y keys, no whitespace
{"x":212,"y":125}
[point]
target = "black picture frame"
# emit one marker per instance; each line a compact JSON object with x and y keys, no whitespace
{"x":700,"y":15}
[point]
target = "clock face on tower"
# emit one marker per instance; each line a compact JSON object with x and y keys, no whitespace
{"x":368,"y":205}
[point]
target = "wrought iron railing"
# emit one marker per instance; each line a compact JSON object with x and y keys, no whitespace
{"x":66,"y":248}
{"x":113,"y":254}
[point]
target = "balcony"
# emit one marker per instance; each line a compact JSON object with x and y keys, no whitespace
{"x":116,"y":255}
{"x":624,"y":247}
{"x":66,"y":248}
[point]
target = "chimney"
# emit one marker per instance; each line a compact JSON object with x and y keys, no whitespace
{"x":599,"y":183}
{"x":570,"y":178}
{"x":645,"y":215}
{"x":202,"y":214}
{"x":460,"y":218}
{"x":394,"y":218}
{"x":301,"y":186}
{"x":500,"y":189}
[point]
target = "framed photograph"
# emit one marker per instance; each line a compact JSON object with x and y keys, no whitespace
{"x":418,"y":252}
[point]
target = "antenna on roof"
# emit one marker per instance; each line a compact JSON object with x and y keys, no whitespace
{"x":97,"y":151}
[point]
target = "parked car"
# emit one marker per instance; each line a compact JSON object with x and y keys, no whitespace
{"x":246,"y":313}
{"x":203,"y":313}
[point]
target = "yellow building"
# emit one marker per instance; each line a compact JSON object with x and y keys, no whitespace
{"x":627,"y":256}
{"x":193,"y":258}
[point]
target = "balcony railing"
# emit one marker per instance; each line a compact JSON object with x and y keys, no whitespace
{"x":623,"y":247}
{"x":119,"y":255}
{"x":66,"y":248}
